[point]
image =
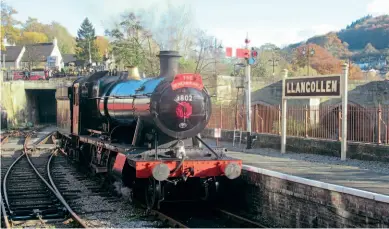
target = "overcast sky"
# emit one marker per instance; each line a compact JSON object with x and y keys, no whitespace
{"x":276,"y":21}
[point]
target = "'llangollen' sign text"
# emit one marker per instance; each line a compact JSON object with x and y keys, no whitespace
{"x":312,"y":87}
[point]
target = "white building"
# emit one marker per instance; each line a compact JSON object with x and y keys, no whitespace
{"x":38,"y":55}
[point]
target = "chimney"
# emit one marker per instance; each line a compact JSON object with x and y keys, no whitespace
{"x":55,"y":42}
{"x":5,"y":43}
{"x":168,"y":64}
{"x":133,"y":73}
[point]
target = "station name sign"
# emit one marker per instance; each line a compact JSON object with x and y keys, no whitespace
{"x":318,"y":86}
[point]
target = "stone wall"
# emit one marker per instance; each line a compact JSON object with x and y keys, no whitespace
{"x":20,"y":105}
{"x":276,"y":202}
{"x":371,"y":152}
{"x":14,"y":101}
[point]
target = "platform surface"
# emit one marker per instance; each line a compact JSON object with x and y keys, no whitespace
{"x":364,"y":175}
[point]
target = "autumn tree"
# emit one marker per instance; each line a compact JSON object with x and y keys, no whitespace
{"x":320,"y":59}
{"x":102,"y":44}
{"x":33,"y":25}
{"x":86,"y":48}
{"x":66,"y":42}
{"x":32,"y":38}
{"x":8,"y":23}
{"x":332,"y":43}
{"x":355,"y":73}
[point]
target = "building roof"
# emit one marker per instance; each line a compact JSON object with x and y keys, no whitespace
{"x":38,"y":52}
{"x":68,"y":58}
{"x":12,"y":53}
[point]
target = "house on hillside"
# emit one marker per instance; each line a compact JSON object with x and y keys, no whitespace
{"x":30,"y":56}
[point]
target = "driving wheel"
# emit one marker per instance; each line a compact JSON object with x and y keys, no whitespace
{"x":152,"y":192}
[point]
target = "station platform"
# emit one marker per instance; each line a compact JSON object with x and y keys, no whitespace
{"x":370,"y":176}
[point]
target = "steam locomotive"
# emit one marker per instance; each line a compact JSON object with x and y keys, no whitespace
{"x":145,"y":132}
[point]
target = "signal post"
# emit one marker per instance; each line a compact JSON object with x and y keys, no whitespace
{"x":249,"y":57}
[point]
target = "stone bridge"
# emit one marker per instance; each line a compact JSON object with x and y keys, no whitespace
{"x":31,"y":101}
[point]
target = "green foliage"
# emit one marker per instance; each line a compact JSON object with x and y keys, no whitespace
{"x":133,"y":45}
{"x":85,"y":42}
{"x":270,"y":59}
{"x":66,"y":41}
{"x":374,"y":30}
{"x":32,"y":38}
{"x":186,"y":65}
{"x":360,"y":21}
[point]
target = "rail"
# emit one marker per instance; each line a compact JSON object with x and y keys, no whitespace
{"x":59,"y":196}
{"x":51,"y":187}
{"x":168,"y":219}
{"x":235,"y":217}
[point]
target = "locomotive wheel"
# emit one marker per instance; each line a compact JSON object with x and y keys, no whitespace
{"x":152,"y":192}
{"x":92,"y":155}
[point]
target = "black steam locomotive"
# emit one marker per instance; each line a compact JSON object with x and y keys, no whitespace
{"x":145,"y":131}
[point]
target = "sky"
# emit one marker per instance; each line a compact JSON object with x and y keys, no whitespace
{"x":280,"y":22}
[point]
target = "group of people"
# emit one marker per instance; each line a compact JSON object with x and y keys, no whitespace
{"x":47,"y":73}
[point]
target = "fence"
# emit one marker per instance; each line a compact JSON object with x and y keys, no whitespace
{"x":365,"y":124}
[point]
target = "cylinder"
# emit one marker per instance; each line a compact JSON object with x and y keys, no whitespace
{"x":168,"y":64}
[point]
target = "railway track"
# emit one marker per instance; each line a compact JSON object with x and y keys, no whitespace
{"x":91,"y":199}
{"x":97,"y":201}
{"x":177,"y":215}
{"x":29,"y":198}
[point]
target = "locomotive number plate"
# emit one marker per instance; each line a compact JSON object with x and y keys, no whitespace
{"x":184,"y":98}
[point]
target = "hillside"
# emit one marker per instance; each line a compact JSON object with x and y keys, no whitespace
{"x":374,"y":30}
{"x":367,"y":36}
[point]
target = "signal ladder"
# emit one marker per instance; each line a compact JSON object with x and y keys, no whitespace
{"x":238,"y":132}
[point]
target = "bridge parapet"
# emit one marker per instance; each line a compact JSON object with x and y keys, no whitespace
{"x":52,"y":83}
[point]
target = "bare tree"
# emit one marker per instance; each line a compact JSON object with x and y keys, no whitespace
{"x":133,"y":44}
{"x":172,"y":29}
{"x":207,"y":54}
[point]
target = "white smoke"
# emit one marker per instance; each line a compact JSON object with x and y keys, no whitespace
{"x":123,"y":191}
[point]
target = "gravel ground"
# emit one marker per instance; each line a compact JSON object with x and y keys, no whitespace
{"x":100,"y":208}
{"x":375,"y":166}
